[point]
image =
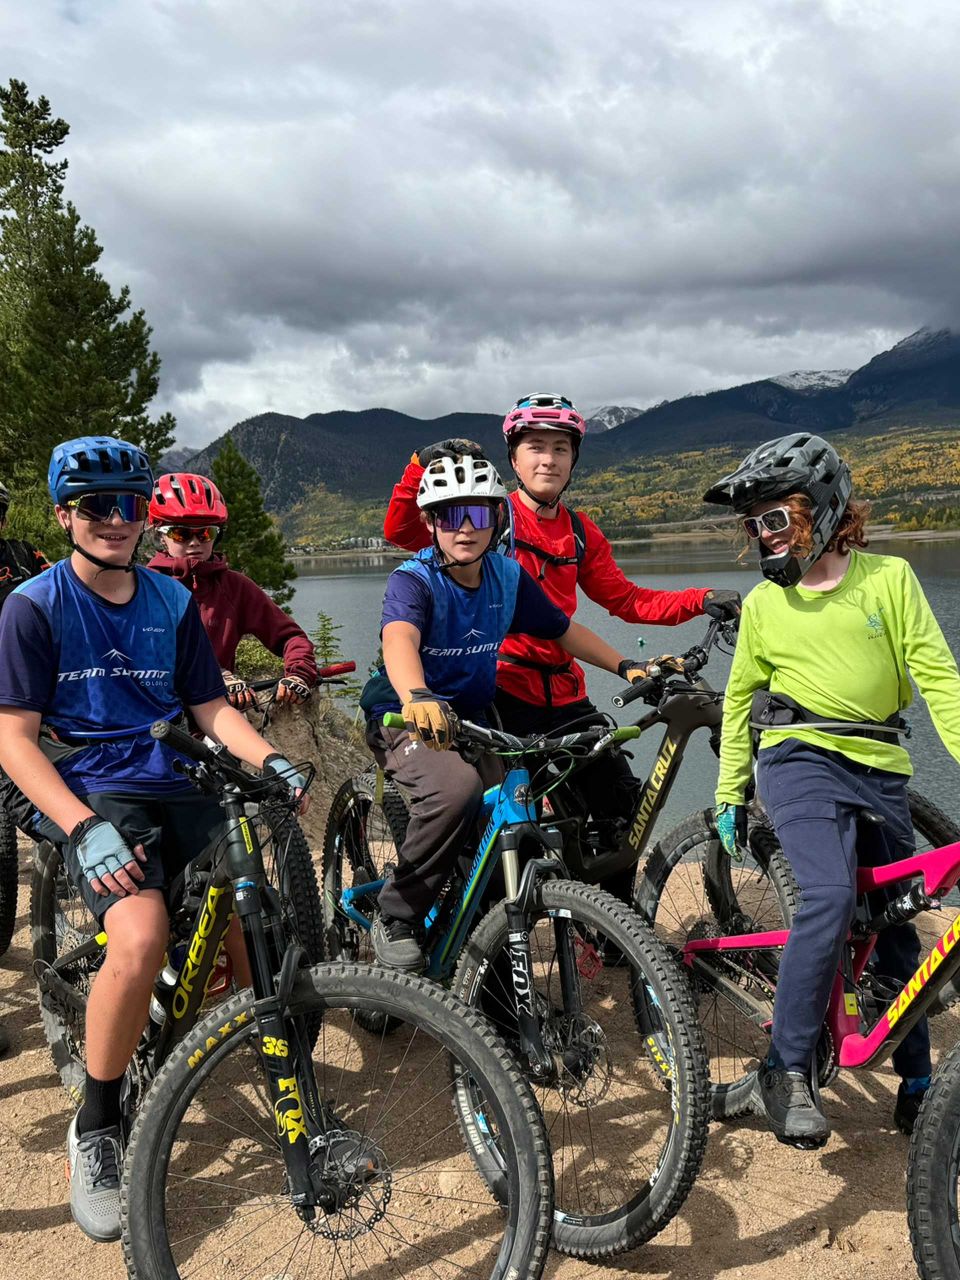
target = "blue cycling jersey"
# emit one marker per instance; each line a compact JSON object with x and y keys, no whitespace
{"x":461,"y":628}
{"x":98,"y":670}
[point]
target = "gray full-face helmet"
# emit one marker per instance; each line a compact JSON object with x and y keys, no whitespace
{"x":798,"y":463}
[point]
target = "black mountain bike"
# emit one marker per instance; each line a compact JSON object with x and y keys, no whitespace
{"x":278,"y":1140}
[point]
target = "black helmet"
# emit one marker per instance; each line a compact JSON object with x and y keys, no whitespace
{"x":798,"y":463}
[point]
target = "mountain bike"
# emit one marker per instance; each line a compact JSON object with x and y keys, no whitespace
{"x":733,"y":966}
{"x":69,"y":948}
{"x":690,"y":888}
{"x":584,"y":995}
{"x":265,"y":1148}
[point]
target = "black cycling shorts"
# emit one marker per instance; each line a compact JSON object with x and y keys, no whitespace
{"x":173,"y":829}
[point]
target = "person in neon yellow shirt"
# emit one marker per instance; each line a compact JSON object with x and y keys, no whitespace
{"x":822,"y":657}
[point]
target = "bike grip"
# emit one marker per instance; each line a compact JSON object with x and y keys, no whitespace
{"x":626,"y":732}
{"x":180,"y":741}
{"x":258,"y":685}
{"x":394,"y":720}
{"x":336,"y":669}
{"x":633,"y":691}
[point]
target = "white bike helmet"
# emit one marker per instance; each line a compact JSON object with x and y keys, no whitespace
{"x":459,"y":479}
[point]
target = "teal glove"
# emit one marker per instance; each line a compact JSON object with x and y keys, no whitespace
{"x":731,"y":822}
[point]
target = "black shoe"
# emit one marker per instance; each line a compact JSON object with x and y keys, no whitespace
{"x":907,"y":1109}
{"x":4,"y":1040}
{"x":791,"y":1108}
{"x":395,"y":944}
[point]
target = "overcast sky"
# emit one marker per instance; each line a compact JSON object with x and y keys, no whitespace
{"x":438,"y":204}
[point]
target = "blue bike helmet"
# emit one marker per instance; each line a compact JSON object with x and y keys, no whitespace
{"x":93,"y":463}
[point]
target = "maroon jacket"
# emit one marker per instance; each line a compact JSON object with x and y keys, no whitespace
{"x":232,"y":606}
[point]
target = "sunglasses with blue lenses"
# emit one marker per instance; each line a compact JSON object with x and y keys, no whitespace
{"x":450,"y":518}
{"x":131,"y":507}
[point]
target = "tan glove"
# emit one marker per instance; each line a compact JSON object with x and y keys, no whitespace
{"x":630,"y":670}
{"x":239,"y":693}
{"x":427,"y":717}
{"x":292,"y":689}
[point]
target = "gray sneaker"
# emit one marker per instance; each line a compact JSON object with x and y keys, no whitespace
{"x":395,"y":944}
{"x":96,"y":1159}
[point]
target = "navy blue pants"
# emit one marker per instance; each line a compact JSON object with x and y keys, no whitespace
{"x":813,"y":798}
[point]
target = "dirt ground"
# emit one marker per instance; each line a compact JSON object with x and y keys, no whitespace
{"x":759,"y":1210}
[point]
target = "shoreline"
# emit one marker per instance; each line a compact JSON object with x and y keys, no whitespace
{"x":879,"y":533}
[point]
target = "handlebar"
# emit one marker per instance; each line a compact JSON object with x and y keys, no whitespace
{"x":216,"y":761}
{"x":694,"y":660}
{"x":597,"y":737}
{"x":324,"y":675}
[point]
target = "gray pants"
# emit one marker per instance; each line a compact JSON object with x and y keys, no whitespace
{"x":445,"y":793}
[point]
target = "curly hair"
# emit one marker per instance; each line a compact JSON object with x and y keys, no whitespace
{"x":851,"y":531}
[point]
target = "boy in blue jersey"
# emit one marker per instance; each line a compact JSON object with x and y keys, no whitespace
{"x":91,"y":654}
{"x":445,"y":614}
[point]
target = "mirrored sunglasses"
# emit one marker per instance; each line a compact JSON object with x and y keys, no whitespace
{"x":131,"y":507}
{"x":450,"y":518}
{"x":775,"y":521}
{"x":186,"y":533}
{"x":540,"y":402}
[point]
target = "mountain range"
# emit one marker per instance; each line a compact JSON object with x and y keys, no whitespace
{"x":360,"y":455}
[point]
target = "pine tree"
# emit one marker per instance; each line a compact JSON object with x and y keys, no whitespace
{"x":30,"y":192}
{"x":74,"y":359}
{"x":252,"y":543}
{"x":327,"y":644}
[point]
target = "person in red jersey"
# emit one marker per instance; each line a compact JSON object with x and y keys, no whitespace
{"x":189,"y":514}
{"x":540,"y":688}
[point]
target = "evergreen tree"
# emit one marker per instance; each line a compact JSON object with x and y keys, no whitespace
{"x":30,"y":193}
{"x":327,"y":644}
{"x":252,"y":543}
{"x":74,"y":360}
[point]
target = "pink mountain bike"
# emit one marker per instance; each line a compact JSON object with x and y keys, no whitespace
{"x":729,"y":932}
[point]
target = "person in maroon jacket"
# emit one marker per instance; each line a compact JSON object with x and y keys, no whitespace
{"x":540,"y":689}
{"x":189,"y":514}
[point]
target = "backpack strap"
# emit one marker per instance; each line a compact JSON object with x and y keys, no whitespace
{"x":547,"y":557}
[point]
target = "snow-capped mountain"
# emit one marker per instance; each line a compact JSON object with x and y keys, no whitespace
{"x":610,"y":415}
{"x":812,"y":380}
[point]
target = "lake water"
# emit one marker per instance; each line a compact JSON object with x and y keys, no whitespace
{"x":351,"y":592}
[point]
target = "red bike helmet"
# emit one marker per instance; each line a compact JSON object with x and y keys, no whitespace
{"x":182,"y":498}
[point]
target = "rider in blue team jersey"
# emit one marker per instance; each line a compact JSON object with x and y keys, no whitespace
{"x":445,"y":614}
{"x":92,"y":652}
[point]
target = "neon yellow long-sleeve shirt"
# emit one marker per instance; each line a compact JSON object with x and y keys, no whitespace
{"x":843,"y":653}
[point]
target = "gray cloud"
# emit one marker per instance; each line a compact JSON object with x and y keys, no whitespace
{"x":438,"y":206}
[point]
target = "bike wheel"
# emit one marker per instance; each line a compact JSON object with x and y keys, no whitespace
{"x":627,"y":1109}
{"x":366,"y":827}
{"x":933,"y":1172}
{"x":204,"y":1191}
{"x":690,"y":889}
{"x":9,"y":880}
{"x":61,"y":926}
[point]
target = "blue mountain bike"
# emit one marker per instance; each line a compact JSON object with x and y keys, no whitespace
{"x":597,"y":1014}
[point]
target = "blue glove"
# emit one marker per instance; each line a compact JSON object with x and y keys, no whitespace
{"x":281,"y":766}
{"x":100,"y":848}
{"x":731,"y":822}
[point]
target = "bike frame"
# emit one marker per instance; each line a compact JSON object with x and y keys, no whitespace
{"x":940,"y":870}
{"x":687,"y":706}
{"x":509,"y":816}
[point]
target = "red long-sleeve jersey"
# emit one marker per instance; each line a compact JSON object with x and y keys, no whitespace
{"x":598,"y":574}
{"x":233,"y":606}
